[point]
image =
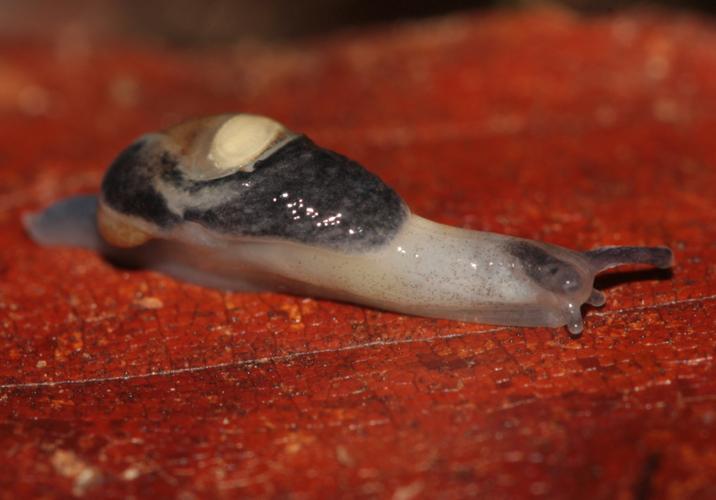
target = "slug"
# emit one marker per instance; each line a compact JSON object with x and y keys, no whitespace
{"x":240,"y":202}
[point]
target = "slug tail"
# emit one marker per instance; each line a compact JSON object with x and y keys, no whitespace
{"x":69,"y":222}
{"x":608,"y":257}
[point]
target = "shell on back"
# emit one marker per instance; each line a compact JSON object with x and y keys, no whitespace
{"x":219,"y":146}
{"x":209,"y":148}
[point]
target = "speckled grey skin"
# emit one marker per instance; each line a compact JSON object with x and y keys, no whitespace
{"x":305,"y":220}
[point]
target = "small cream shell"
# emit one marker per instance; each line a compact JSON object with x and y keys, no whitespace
{"x":218,"y":146}
{"x":242,"y":139}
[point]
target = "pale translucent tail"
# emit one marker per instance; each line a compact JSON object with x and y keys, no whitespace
{"x":69,"y":222}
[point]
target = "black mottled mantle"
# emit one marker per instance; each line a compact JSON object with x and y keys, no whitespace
{"x":301,"y":193}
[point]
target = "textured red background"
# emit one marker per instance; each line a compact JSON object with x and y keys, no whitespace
{"x":580,"y":132}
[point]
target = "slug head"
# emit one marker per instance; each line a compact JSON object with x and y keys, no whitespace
{"x":566,"y":278}
{"x":562,"y":277}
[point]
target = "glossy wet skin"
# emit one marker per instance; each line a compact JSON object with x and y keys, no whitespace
{"x":300,"y":192}
{"x":241,"y":202}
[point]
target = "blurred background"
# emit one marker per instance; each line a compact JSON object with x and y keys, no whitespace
{"x":206,"y":22}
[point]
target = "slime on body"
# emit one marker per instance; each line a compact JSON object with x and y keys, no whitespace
{"x":240,"y":202}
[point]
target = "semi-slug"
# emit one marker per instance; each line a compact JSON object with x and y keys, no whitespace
{"x":241,"y":202}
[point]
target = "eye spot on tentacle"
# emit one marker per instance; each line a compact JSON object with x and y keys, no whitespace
{"x":596,"y":298}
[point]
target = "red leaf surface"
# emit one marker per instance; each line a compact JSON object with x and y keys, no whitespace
{"x":580,"y":132}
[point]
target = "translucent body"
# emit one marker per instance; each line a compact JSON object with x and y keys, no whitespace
{"x":428,"y":269}
{"x":241,"y":202}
